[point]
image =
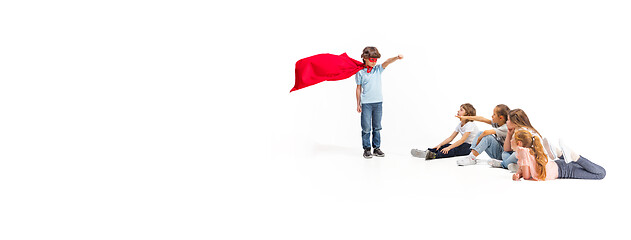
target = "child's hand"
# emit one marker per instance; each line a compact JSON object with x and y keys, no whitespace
{"x":516,"y":177}
{"x":445,"y":150}
{"x":359,"y":108}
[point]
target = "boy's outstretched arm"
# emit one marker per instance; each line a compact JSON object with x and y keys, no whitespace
{"x":475,"y":118}
{"x":391,"y":60}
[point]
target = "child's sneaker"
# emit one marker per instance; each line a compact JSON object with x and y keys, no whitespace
{"x":495,"y":163}
{"x":468,"y":160}
{"x":568,"y":154}
{"x":367,"y":154}
{"x":552,"y":151}
{"x":512,"y":168}
{"x":418,"y":153}
{"x":430,"y":155}
{"x":378,"y":153}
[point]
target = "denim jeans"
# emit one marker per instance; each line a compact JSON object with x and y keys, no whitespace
{"x":371,"y":119}
{"x":508,"y":158}
{"x":462,"y":150}
{"x":489,"y":145}
{"x":581,"y":169}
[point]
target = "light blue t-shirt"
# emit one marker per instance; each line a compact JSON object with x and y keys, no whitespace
{"x":371,"y":84}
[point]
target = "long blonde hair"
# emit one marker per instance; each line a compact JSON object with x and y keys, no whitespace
{"x":536,"y":149}
{"x":519,"y":118}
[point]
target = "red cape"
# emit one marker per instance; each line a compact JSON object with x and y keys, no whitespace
{"x":324,"y":67}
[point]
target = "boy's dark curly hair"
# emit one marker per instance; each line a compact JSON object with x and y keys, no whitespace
{"x":370,"y":52}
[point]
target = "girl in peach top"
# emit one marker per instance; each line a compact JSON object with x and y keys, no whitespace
{"x":517,"y":119}
{"x":534,"y":165}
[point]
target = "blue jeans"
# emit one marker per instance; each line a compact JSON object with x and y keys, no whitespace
{"x":371,"y":119}
{"x":462,"y":150}
{"x":489,"y":145}
{"x":581,"y":169}
{"x":508,"y":158}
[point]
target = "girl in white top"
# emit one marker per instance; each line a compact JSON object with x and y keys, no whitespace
{"x":466,"y":128}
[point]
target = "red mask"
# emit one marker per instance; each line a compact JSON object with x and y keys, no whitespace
{"x":371,"y":60}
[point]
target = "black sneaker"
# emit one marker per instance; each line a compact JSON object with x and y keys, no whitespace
{"x":378,"y":153}
{"x":430,"y":155}
{"x":367,"y":154}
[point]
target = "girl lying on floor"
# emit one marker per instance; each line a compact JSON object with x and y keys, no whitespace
{"x":534,"y":165}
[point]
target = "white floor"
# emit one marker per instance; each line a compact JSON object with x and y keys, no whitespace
{"x":164,"y":120}
{"x":332,"y":192}
{"x":317,"y":191}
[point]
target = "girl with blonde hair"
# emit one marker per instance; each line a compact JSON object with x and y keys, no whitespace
{"x":534,"y":165}
{"x":517,"y":120}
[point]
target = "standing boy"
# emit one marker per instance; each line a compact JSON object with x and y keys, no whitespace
{"x":370,"y":99}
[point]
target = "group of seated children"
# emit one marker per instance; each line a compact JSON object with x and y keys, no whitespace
{"x":514,"y":144}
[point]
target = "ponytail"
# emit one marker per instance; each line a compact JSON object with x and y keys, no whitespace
{"x":536,"y":149}
{"x":540,"y":156}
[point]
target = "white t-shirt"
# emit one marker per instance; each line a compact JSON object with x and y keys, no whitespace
{"x":468,"y":127}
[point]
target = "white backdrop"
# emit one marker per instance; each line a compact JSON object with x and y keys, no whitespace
{"x":173,"y":120}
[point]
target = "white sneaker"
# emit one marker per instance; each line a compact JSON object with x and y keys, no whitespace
{"x":418,"y":153}
{"x":568,"y":154}
{"x":495,"y":163}
{"x":512,"y":168}
{"x":468,"y":160}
